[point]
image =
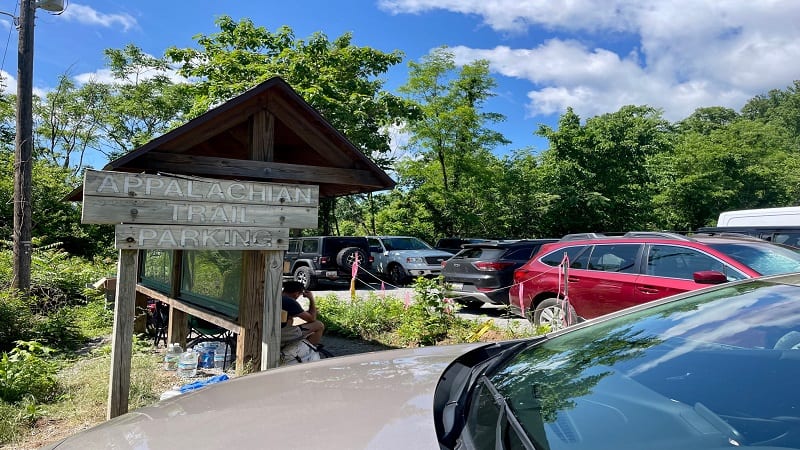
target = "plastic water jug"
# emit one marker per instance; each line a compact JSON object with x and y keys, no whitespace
{"x":207,"y":351}
{"x":187,"y":364}
{"x":172,"y":356}
{"x":220,"y":355}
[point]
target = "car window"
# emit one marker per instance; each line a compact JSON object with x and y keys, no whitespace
{"x":763,"y":258}
{"x":657,"y":375}
{"x":673,"y":261}
{"x":792,"y":239}
{"x":405,"y":243}
{"x":555,"y":257}
{"x":294,"y":246}
{"x":520,"y":254}
{"x":480,"y":253}
{"x":310,"y":246}
{"x":614,"y":258}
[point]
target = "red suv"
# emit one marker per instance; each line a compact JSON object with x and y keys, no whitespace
{"x":608,"y":273}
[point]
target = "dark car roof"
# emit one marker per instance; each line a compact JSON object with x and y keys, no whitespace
{"x":509,"y":243}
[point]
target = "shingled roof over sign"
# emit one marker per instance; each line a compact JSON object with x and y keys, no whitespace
{"x":305,"y":148}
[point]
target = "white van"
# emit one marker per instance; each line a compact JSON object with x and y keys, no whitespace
{"x":782,"y":217}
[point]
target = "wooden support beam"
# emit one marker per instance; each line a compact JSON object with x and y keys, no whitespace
{"x":271,"y":338}
{"x":262,"y":136}
{"x":178,"y":323}
{"x":258,"y":170}
{"x":251,"y":311}
{"x":122,"y":335}
{"x":181,"y":306}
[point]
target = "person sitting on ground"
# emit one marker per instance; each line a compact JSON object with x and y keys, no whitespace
{"x":312,"y":329}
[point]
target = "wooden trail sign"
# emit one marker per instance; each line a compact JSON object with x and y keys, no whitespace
{"x":134,"y":198}
{"x":201,"y":237}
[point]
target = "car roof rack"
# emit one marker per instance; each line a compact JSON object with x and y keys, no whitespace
{"x":577,"y":236}
{"x":657,"y":234}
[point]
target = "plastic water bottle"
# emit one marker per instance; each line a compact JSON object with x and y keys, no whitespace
{"x":220,"y":354}
{"x":172,"y":356}
{"x":207,"y":351}
{"x":187,"y":364}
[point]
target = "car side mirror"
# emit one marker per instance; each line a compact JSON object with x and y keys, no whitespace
{"x":709,"y":277}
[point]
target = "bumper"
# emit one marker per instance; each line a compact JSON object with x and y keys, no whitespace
{"x":424,"y":272}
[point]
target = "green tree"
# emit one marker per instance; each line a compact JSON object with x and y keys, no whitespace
{"x":746,"y":164}
{"x":453,"y":175}
{"x":342,"y":81}
{"x":600,"y":171}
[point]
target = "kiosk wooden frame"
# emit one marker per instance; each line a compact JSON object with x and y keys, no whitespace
{"x":267,"y":134}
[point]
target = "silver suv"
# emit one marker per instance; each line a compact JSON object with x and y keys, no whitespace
{"x":402,"y":257}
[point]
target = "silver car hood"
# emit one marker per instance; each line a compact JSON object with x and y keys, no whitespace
{"x":380,"y":400}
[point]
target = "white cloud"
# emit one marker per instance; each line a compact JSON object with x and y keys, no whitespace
{"x":89,"y":16}
{"x":687,"y":54}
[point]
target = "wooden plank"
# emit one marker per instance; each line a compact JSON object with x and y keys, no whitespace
{"x":184,"y":188}
{"x":122,"y":335}
{"x":168,"y":212}
{"x":262,"y":136}
{"x":192,"y":237}
{"x":271,"y":337}
{"x":251,"y":311}
{"x":174,"y":303}
{"x":241,"y":168}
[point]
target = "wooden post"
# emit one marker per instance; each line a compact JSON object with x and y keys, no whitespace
{"x":178,"y":323}
{"x":271,"y":337}
{"x":251,"y":311}
{"x":122,"y":336}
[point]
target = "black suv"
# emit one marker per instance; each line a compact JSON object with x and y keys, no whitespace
{"x":483,"y":272}
{"x":314,"y":258}
{"x":454,"y":245}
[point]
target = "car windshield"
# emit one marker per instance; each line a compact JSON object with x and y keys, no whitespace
{"x":712,"y":370}
{"x":765,"y":259}
{"x":405,"y":243}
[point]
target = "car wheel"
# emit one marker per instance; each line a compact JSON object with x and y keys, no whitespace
{"x":304,"y":276}
{"x":555,"y":313}
{"x":347,"y":257}
{"x":469,"y":303}
{"x":397,"y":275}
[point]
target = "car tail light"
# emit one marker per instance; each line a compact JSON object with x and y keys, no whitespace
{"x":371,"y":259}
{"x":488,"y":266}
{"x":323,"y":260}
{"x":444,"y":264}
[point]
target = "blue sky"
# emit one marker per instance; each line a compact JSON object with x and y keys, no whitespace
{"x":546,"y":55}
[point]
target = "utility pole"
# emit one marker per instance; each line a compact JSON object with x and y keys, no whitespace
{"x":23,"y":163}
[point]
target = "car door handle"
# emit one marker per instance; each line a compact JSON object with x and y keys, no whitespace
{"x":648,"y":290}
{"x":573,"y":279}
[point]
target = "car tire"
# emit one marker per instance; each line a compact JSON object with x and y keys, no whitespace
{"x":397,"y":275}
{"x":305,"y":276}
{"x":469,"y":303}
{"x":555,"y":313}
{"x":347,"y":257}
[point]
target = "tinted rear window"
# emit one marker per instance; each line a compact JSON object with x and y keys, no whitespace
{"x":481,"y":253}
{"x":763,"y":258}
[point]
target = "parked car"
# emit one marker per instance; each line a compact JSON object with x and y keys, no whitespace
{"x":331,"y":258}
{"x":609,"y":273}
{"x":400,"y":258}
{"x":711,"y":369}
{"x":482,"y":273}
{"x":777,"y":235}
{"x":454,"y":245}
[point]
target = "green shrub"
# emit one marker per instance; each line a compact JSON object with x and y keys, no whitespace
{"x":60,"y":329}
{"x":16,"y":320}
{"x":431,"y":316}
{"x":24,"y":372}
{"x":94,"y":318}
{"x":365,"y":318}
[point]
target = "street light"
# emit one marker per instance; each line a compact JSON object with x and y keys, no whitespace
{"x":21,"y":238}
